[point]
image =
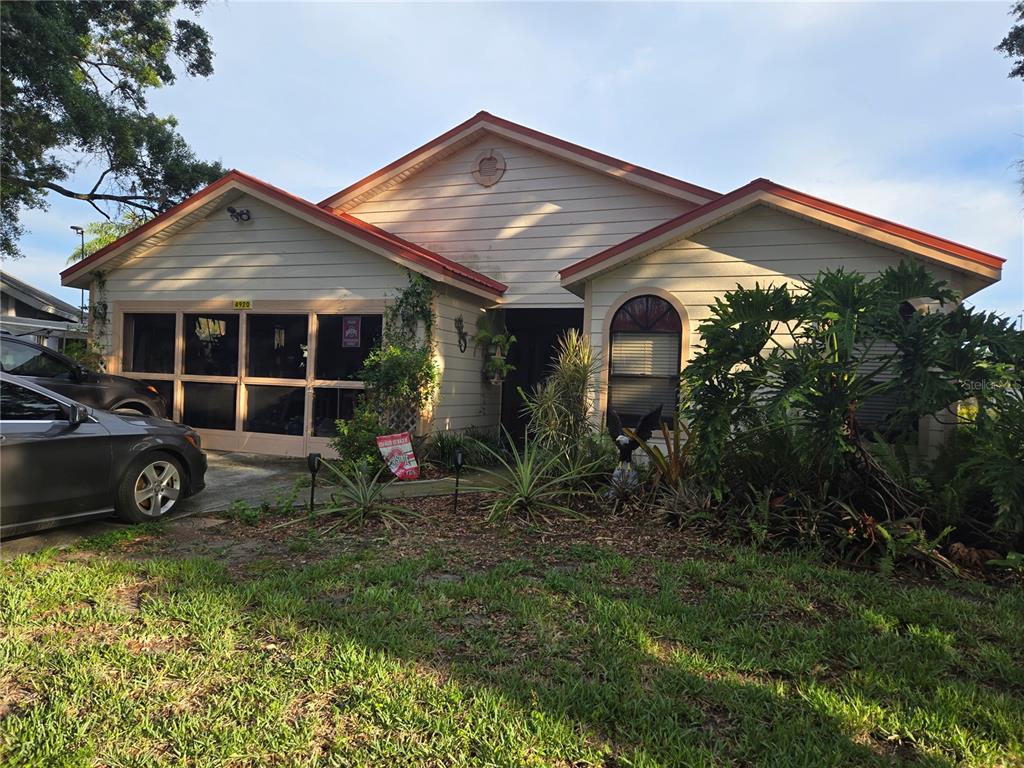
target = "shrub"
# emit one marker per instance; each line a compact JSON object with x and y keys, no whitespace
{"x":775,"y":403}
{"x":476,"y":446}
{"x":357,"y":438}
{"x":84,"y":353}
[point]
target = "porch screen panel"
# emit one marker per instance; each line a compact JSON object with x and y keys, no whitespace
{"x":644,"y":358}
{"x":275,"y":410}
{"x":211,"y":344}
{"x":209,"y":406}
{"x":277,"y":346}
{"x":343,"y":343}
{"x":148,"y":343}
{"x":331,"y":406}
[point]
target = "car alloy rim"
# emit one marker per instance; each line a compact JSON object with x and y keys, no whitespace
{"x":157,"y":488}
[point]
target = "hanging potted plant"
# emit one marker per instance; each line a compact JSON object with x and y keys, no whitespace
{"x":495,"y":344}
{"x":496,"y":369}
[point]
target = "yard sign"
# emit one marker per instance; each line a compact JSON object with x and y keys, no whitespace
{"x":398,"y":455}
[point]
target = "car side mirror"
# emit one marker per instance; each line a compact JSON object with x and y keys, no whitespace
{"x":81,"y":373}
{"x":77,"y":414}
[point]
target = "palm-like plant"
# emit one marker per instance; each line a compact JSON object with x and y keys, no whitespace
{"x":559,"y":409}
{"x":532,"y":483}
{"x":360,"y":497}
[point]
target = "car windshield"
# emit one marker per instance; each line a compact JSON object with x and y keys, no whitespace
{"x":24,"y":360}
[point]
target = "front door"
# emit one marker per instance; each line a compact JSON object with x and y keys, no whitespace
{"x":537,"y":332}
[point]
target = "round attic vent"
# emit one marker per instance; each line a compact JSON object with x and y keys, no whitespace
{"x":489,"y":167}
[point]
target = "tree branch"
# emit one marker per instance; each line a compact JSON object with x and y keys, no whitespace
{"x":136,"y":201}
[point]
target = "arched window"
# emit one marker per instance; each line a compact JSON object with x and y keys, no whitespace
{"x":646,"y":336}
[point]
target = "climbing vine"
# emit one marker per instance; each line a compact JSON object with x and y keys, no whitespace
{"x":401,"y":375}
{"x":411,"y":309}
{"x":92,"y":352}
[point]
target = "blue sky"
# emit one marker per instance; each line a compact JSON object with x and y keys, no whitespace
{"x":902,"y":110}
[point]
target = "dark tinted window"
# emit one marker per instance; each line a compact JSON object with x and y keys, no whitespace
{"x":330,"y":406}
{"x":24,"y":360}
{"x":148,"y":343}
{"x":211,"y":344}
{"x":278,"y":410}
{"x":343,"y":342}
{"x":209,"y":406}
{"x":21,"y":404}
{"x":277,"y":346}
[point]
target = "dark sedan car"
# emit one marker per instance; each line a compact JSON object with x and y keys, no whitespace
{"x":61,"y":461}
{"x":64,"y":376}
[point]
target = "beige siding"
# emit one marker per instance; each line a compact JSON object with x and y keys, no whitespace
{"x":543,"y":215}
{"x":464,"y":400}
{"x":761,"y":245}
{"x":275,"y":256}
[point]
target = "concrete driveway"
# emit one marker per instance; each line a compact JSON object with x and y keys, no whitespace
{"x":231,"y":477}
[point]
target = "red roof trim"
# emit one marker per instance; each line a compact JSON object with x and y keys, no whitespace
{"x":361,"y":230}
{"x":483,"y":118}
{"x":817,"y":203}
{"x":657,"y":231}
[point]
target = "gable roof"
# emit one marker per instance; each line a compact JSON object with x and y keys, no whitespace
{"x":234,"y":183}
{"x":767,"y":192}
{"x":37,"y":299}
{"x":483,"y":122}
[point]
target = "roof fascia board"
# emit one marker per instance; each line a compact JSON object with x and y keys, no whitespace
{"x":78,"y":276}
{"x":38,"y":299}
{"x":338,"y":228}
{"x":484,"y":122}
{"x":668,"y":235}
{"x":757,"y":194}
{"x":624,"y":174}
{"x":867,"y":232}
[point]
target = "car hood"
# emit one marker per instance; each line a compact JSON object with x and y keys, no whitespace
{"x":149,"y":423}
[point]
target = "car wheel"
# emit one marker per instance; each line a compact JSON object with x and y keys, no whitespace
{"x":150,"y":488}
{"x":131,"y":411}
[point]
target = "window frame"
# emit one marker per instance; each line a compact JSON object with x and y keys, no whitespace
{"x":682,"y":336}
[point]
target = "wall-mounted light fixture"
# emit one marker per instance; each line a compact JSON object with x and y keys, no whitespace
{"x":239,"y":214}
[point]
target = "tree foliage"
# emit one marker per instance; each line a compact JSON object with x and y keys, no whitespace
{"x":74,"y":78}
{"x":103,"y":233}
{"x":1012,"y":45}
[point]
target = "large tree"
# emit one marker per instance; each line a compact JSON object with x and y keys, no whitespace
{"x":75,"y":76}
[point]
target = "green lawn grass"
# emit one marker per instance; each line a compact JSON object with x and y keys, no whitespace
{"x":396,"y":650}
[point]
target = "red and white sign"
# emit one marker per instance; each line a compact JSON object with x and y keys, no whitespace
{"x":351,"y":331}
{"x":398,"y":455}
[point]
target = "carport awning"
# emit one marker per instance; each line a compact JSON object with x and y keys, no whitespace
{"x":27,"y":326}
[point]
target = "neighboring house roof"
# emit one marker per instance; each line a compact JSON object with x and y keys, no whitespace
{"x":37,"y":299}
{"x":767,"y":192}
{"x":234,"y":183}
{"x":484,"y":122}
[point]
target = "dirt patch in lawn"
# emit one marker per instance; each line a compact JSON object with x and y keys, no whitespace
{"x":462,"y":538}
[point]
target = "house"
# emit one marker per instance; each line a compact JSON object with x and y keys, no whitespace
{"x":31,"y":313}
{"x":252,"y":309}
